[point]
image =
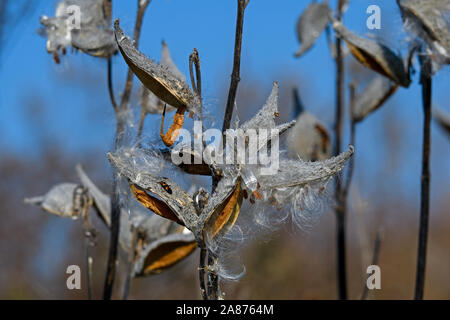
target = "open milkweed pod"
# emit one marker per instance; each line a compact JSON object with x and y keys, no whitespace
{"x":223,"y":208}
{"x":429,"y":20}
{"x":310,"y":25}
{"x":265,"y":118}
{"x":377,"y":92}
{"x":95,"y":42}
{"x":162,"y":243}
{"x":309,"y":139}
{"x":149,"y":101}
{"x":92,"y":36}
{"x":173,"y":203}
{"x":375,"y":56}
{"x":294,"y":176}
{"x":59,"y":200}
{"x":155,"y":77}
{"x":443,"y":119}
{"x":164,"y":248}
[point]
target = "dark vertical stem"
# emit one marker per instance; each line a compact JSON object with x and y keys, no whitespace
{"x":213,"y":284}
{"x":110,"y":85}
{"x":201,"y":273}
{"x":89,"y":242}
{"x":235,"y":75}
{"x":375,"y":256}
{"x":426,"y":83}
{"x":115,"y":205}
{"x":131,"y":258}
{"x":340,"y":205}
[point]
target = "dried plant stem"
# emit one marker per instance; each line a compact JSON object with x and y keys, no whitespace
{"x":201,"y":272}
{"x":235,"y":75}
{"x":89,"y":243}
{"x":131,"y":259}
{"x":141,"y":125}
{"x":110,"y":85}
{"x":426,"y":82}
{"x":375,"y":256}
{"x":340,"y":204}
{"x":213,"y":280}
{"x":115,"y":205}
{"x":349,"y":177}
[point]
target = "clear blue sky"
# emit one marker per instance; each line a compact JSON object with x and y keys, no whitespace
{"x":83,"y":120}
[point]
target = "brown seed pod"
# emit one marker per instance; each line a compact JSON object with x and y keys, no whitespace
{"x":158,"y":79}
{"x":222,"y":219}
{"x":375,"y":56}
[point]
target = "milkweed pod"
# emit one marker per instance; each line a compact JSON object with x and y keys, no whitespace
{"x":223,"y":217}
{"x":95,"y":42}
{"x":149,"y":101}
{"x":164,"y":252}
{"x":430,"y":21}
{"x":155,"y":77}
{"x":59,"y":200}
{"x":309,"y":139}
{"x":375,"y":56}
{"x":377,"y":92}
{"x":86,"y":29}
{"x":292,"y":173}
{"x":311,"y":23}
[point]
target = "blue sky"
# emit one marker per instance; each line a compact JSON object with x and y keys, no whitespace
{"x":80,"y":119}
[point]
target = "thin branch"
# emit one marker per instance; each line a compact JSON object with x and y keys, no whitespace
{"x":115,"y":205}
{"x":194,"y":60}
{"x":349,"y":177}
{"x":142,"y":6}
{"x":426,"y":82}
{"x":375,"y":257}
{"x":235,"y":75}
{"x":201,"y":273}
{"x":141,"y":124}
{"x":340,"y":205}
{"x":82,"y":202}
{"x":213,"y":278}
{"x":132,"y":254}
{"x":110,"y":85}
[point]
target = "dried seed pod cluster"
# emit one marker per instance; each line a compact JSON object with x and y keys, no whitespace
{"x":160,"y":242}
{"x":92,"y":35}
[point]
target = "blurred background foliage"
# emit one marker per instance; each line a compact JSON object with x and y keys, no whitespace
{"x":53,"y":117}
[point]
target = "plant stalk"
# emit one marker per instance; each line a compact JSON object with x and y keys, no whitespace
{"x":426,"y":82}
{"x":115,"y":205}
{"x":340,"y":203}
